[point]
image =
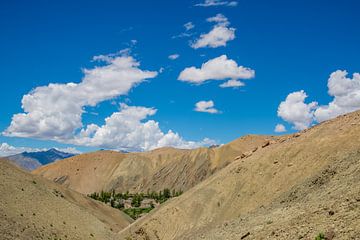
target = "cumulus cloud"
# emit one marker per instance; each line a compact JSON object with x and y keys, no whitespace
{"x":188,"y":26}
{"x":294,"y":110}
{"x":279,"y":128}
{"x":346,"y":96}
{"x":130,"y":130}
{"x":220,"y":34}
{"x":8,"y":150}
{"x":206,"y":106}
{"x":54,"y":112}
{"x":174,"y":56}
{"x":220,"y":68}
{"x":213,"y":3}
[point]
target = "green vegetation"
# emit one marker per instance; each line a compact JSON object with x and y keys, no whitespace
{"x":135,"y":204}
{"x":321,"y":236}
{"x":135,"y":213}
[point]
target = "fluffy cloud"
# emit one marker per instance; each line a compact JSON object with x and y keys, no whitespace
{"x":8,"y":150}
{"x":188,"y":26}
{"x":220,"y":68}
{"x":295,"y":111}
{"x":346,"y":96}
{"x":54,"y":111}
{"x":212,"y":3}
{"x":279,"y":128}
{"x":174,"y":56}
{"x":129,"y":130}
{"x":206,"y":106}
{"x":218,"y":36}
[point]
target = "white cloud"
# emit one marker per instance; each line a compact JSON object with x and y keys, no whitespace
{"x":218,"y":36}
{"x":295,"y":111}
{"x":129,"y":130}
{"x":206,"y":106}
{"x":212,"y":3}
{"x":219,"y":19}
{"x":346,"y":96}
{"x":174,"y":56}
{"x":232,"y":83}
{"x":220,"y":68}
{"x":8,"y":150}
{"x":183,"y":35}
{"x":279,"y":128}
{"x":188,"y":26}
{"x":55,"y":111}
{"x":68,"y":150}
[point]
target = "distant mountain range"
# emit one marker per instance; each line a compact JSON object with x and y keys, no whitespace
{"x":33,"y":160}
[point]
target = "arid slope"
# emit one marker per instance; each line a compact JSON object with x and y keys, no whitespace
{"x":172,"y":168}
{"x":34,"y":208}
{"x":295,"y":188}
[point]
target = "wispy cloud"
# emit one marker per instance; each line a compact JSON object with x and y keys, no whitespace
{"x":174,"y":56}
{"x":214,"y":3}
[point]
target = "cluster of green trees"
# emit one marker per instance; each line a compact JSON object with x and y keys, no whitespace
{"x":116,"y":200}
{"x":163,"y":196}
{"x":137,"y":198}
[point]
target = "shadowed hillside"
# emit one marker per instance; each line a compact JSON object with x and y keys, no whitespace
{"x":34,"y":208}
{"x":171,"y":168}
{"x":295,"y":188}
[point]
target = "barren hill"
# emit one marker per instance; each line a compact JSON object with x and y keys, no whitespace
{"x":172,"y":168}
{"x":295,"y":188}
{"x":34,"y":208}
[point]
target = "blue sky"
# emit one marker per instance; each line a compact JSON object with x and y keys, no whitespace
{"x":291,"y":46}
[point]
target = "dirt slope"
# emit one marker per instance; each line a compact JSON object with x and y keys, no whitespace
{"x":292,"y":189}
{"x":155,"y":170}
{"x":34,"y":208}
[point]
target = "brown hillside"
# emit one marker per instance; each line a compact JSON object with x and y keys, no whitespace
{"x":295,"y":188}
{"x":172,"y":168}
{"x":34,"y":208}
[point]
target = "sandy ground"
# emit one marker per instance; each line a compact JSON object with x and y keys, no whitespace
{"x":34,"y":208}
{"x":294,"y":188}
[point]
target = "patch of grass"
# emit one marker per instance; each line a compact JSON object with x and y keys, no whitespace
{"x":320,"y":236}
{"x":135,"y":213}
